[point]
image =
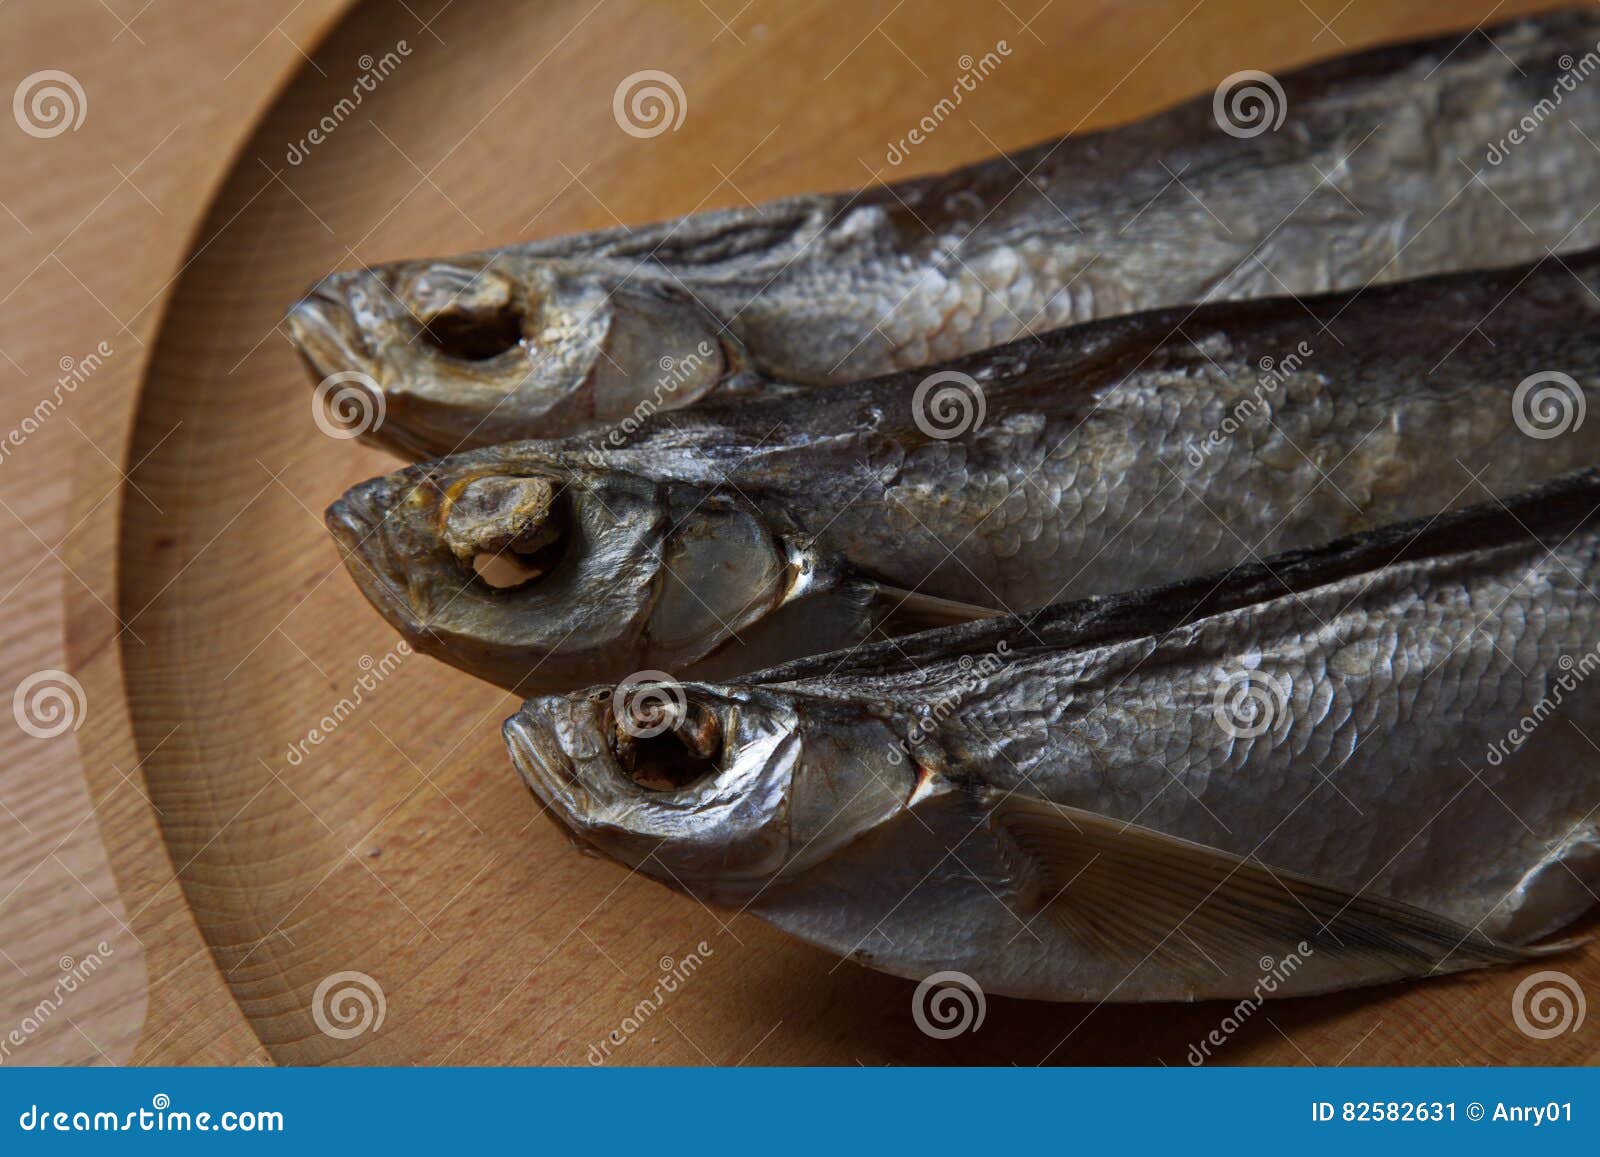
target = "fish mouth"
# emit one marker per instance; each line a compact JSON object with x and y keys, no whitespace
{"x":548,"y":773}
{"x":539,"y":758}
{"x":358,"y":522}
{"x":325,"y":333}
{"x":548,"y":739}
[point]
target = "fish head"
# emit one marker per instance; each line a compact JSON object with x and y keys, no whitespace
{"x":718,"y":789}
{"x":476,"y":351}
{"x":540,"y":571}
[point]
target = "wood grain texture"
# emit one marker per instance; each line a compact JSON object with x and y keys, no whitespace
{"x":402,"y":846}
{"x":95,"y":224}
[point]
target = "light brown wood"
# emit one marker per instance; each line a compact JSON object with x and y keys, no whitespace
{"x":403,"y":847}
{"x":94,"y":224}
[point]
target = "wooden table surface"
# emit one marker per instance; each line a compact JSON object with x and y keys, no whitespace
{"x":96,"y":222}
{"x":114,"y":853}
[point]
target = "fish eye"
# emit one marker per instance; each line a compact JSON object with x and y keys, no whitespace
{"x":510,"y":530}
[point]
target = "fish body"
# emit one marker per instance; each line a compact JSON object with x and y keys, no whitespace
{"x":1388,"y":164}
{"x":1341,"y":766}
{"x":1123,"y":453}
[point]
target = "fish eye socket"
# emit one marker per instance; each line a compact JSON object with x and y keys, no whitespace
{"x":474,"y":335}
{"x":683,"y":755}
{"x":663,"y":763}
{"x":524,"y":560}
{"x":509,"y":569}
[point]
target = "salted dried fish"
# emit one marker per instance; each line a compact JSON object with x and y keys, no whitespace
{"x":1388,"y":164}
{"x":1122,"y":453}
{"x":1376,"y":757}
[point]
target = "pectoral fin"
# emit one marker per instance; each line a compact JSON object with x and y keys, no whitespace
{"x":900,"y":611}
{"x":1136,"y":894}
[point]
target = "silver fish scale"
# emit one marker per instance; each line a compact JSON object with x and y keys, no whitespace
{"x":1025,"y":513}
{"x":1385,"y":165}
{"x":1386,"y":685}
{"x":1382,"y":185}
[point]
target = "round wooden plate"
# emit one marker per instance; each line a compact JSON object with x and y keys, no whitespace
{"x":397,"y":844}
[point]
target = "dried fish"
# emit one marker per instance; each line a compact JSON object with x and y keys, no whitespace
{"x":1375,"y":758}
{"x":1388,"y":164}
{"x":1122,"y":453}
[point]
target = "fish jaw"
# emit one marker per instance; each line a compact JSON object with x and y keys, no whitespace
{"x":357,"y":521}
{"x":473,"y":352}
{"x":325,"y":332}
{"x":334,"y":328}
